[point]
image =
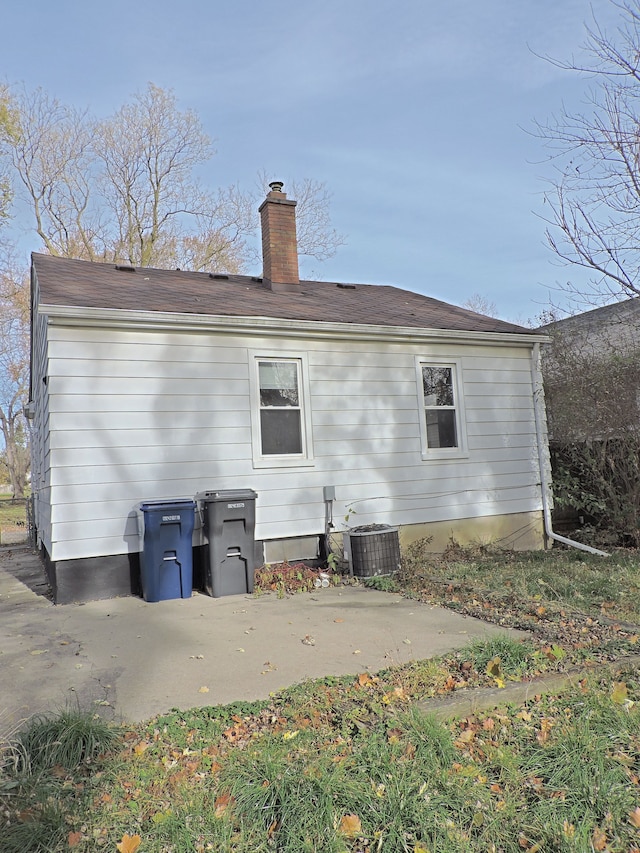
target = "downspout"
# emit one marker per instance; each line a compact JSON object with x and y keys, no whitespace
{"x":536,"y":383}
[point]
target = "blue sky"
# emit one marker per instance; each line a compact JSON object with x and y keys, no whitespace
{"x":417,"y":114}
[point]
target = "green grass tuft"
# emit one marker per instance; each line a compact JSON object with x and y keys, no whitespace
{"x":65,"y":740}
{"x":42,"y":829}
{"x":515,"y":655}
{"x":38,"y":765}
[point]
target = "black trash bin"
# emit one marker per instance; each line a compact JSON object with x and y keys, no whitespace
{"x":166,"y":561}
{"x":228,"y":519}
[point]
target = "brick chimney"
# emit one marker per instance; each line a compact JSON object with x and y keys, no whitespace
{"x":279,"y":242}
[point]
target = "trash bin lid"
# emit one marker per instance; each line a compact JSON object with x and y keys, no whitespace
{"x":227,"y":495}
{"x":166,"y":505}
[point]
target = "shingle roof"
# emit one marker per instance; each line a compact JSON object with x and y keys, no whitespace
{"x":68,"y":282}
{"x":626,"y":311}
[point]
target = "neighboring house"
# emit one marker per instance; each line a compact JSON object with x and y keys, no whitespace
{"x":598,"y":329}
{"x":592,"y":373}
{"x":150,"y":384}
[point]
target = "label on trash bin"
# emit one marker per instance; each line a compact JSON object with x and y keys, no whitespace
{"x":171,"y":518}
{"x":235,"y":506}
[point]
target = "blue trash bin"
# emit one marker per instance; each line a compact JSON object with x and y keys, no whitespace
{"x":166,"y":561}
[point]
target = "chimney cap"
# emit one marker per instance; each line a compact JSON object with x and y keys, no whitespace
{"x":276,"y":186}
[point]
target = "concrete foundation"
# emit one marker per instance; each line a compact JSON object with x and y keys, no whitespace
{"x":522,"y":531}
{"x":96,"y":578}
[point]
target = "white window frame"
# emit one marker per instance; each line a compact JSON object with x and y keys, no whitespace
{"x":461,"y":450}
{"x":289,"y":460}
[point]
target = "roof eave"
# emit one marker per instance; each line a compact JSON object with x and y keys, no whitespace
{"x":270,"y":326}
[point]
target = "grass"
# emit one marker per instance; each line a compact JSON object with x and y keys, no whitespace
{"x":559,"y":773}
{"x":13,"y":520}
{"x":514,"y":657}
{"x":12,"y":513}
{"x":349,"y":765}
{"x":43,"y":772}
{"x":560,"y":579}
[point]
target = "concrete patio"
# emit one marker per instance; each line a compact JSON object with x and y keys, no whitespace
{"x":130,"y":660}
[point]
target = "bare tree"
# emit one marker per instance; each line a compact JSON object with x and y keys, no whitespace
{"x":123,"y":189}
{"x":7,"y":134}
{"x":148,"y":152}
{"x":14,"y":326}
{"x":594,"y":202}
{"x":316,"y":238}
{"x":481,"y":305}
{"x":120,"y":189}
{"x":14,"y":373}
{"x":52,"y":159}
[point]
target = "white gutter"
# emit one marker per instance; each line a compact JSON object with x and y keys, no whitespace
{"x":73,"y":315}
{"x":536,"y":383}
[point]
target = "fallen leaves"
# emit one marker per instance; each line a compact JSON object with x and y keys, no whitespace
{"x":288,"y":578}
{"x":324,"y":727}
{"x":129,"y":843}
{"x":350,"y":826}
{"x":546,"y":724}
{"x":549,"y":621}
{"x":236,"y":732}
{"x":526,"y":844}
{"x":162,"y":817}
{"x":398,"y":694}
{"x":222,"y":803}
{"x":553,"y":652}
{"x":494,"y":670}
{"x":599,"y":839}
{"x":141,"y":747}
{"x":620,"y":694}
{"x":365,"y":680}
{"x":345,"y":713}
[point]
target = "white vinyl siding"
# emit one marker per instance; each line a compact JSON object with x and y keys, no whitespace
{"x":143,"y":414}
{"x":40,"y":433}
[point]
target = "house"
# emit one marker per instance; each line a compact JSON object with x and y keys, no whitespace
{"x":150,"y":384}
{"x":591,"y":373}
{"x":598,"y":328}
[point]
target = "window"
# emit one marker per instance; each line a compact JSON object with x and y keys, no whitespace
{"x":280,"y":411}
{"x":442,"y":424}
{"x":280,"y":421}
